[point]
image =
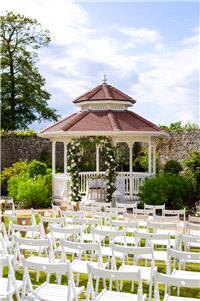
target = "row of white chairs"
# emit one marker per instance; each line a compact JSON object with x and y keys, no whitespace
{"x":80,"y":266}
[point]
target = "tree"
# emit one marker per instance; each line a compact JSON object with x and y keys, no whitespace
{"x":24,"y":98}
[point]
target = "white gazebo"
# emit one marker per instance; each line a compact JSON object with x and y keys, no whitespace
{"x":104,"y":112}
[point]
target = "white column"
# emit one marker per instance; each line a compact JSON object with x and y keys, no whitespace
{"x":53,"y":157}
{"x":149,"y":157}
{"x":65,"y":157}
{"x":154,"y":158}
{"x":97,"y":159}
{"x":130,"y":157}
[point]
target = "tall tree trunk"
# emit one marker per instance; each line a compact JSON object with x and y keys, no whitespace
{"x":12,"y":93}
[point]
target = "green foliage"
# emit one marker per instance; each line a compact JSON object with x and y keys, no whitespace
{"x":23,"y":94}
{"x":45,"y":157}
{"x":173,"y":167}
{"x":173,"y":190}
{"x":27,"y":133}
{"x":178,"y":127}
{"x":32,"y":186}
{"x":35,"y":168}
{"x":9,"y":172}
{"x":31,"y":192}
{"x":193,"y":169}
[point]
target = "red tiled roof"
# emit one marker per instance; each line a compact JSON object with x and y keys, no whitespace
{"x":103,"y":121}
{"x":104,"y":92}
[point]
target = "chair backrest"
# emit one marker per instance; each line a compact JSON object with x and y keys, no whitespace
{"x":124,"y":224}
{"x":136,"y":251}
{"x":174,"y":213}
{"x":116,"y":210}
{"x":155,"y":207}
{"x":66,"y":230}
{"x":62,"y":268}
{"x":43,"y":244}
{"x":73,"y":214}
{"x":149,"y":237}
{"x":112,"y":275}
{"x":194,"y":219}
{"x":88,"y":221}
{"x":35,"y":229}
{"x":180,"y":257}
{"x":126,"y":205}
{"x":99,"y":234}
{"x":144,"y":212}
{"x":156,"y":226}
{"x":81,"y":246}
{"x":53,"y":220}
{"x":166,"y":219}
{"x":187,"y":240}
{"x":192,"y":228}
{"x":169,"y":281}
{"x":139,"y":217}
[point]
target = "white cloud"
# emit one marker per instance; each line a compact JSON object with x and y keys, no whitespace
{"x":140,"y":35}
{"x":161,"y":76}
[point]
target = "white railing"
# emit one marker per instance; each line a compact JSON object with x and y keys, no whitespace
{"x":133,"y":181}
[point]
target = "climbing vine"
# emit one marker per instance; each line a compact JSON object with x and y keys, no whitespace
{"x":75,"y":152}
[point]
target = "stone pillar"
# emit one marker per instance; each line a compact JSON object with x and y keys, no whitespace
{"x":65,"y":157}
{"x":53,"y":157}
{"x":97,"y":159}
{"x":149,"y":157}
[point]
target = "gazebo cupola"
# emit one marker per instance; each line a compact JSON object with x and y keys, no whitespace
{"x":104,"y":97}
{"x":104,"y":111}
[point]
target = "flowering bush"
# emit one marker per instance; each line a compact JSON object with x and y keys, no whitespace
{"x":74,"y":158}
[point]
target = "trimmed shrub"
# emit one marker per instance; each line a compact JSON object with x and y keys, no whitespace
{"x":193,"y":169}
{"x":35,"y":168}
{"x":173,"y":167}
{"x":8,"y":172}
{"x":31,"y":192}
{"x":32,"y":186}
{"x":175,"y":191}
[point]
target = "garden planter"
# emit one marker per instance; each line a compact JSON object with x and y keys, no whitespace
{"x":77,"y":206}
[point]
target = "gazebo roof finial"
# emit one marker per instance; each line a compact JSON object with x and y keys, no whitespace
{"x":104,"y":79}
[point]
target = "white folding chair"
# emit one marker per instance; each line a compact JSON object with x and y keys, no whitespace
{"x":112,"y":275}
{"x":99,"y":235}
{"x":129,"y":227}
{"x":154,"y":239}
{"x":165,"y":228}
{"x":9,"y":286}
{"x":86,"y":224}
{"x":87,"y":252}
{"x":181,"y":258}
{"x":146,"y":271}
{"x":32,"y":231}
{"x":72,"y":233}
{"x":172,"y":282}
{"x":49,"y":291}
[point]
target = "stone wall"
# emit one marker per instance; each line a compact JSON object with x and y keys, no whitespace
{"x":179,"y":145}
{"x":15,"y":148}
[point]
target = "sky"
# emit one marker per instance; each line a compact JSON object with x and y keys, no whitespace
{"x":149,"y":50}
